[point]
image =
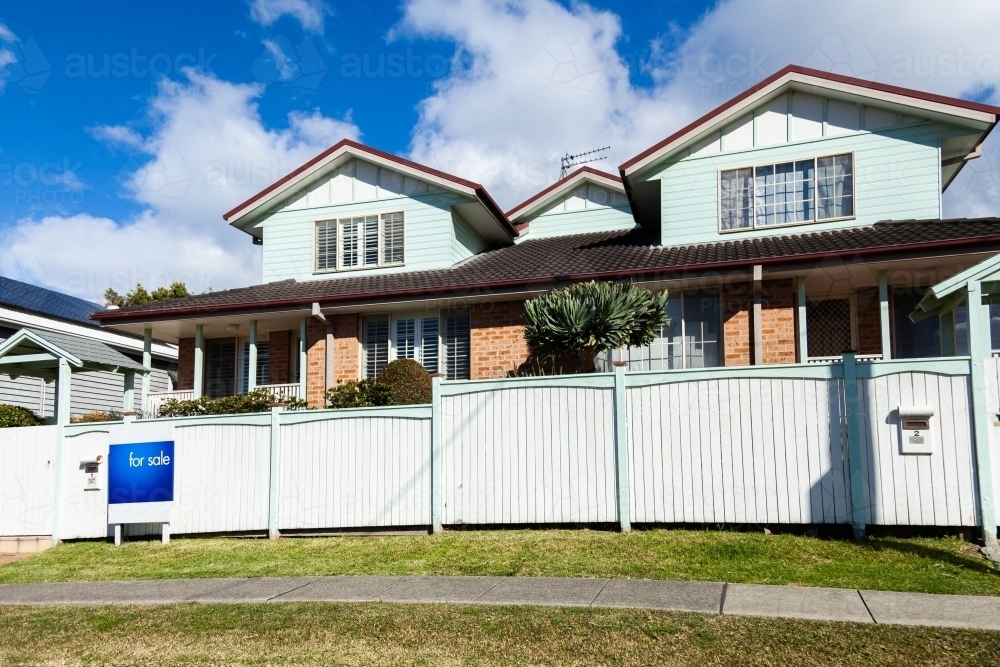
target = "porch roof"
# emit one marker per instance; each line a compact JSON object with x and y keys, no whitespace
{"x":603,"y":255}
{"x":35,"y":353}
{"x":944,"y":296}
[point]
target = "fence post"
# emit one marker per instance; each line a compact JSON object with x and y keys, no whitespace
{"x":62,"y":410}
{"x":621,"y":446}
{"x":436,"y":466}
{"x":979,"y":350}
{"x":272,"y":500}
{"x":854,"y":444}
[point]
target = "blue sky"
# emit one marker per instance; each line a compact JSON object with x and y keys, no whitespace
{"x":126,"y":133}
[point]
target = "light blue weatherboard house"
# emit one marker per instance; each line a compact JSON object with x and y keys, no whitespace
{"x":799,"y":221}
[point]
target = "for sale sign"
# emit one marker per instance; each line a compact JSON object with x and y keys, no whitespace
{"x":141,"y":473}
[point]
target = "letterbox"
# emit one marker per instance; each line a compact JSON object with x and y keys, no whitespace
{"x":916,"y":429}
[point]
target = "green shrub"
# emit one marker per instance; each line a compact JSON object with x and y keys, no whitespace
{"x":410,"y":382}
{"x":258,"y":400}
{"x":13,"y":415}
{"x":359,"y":394}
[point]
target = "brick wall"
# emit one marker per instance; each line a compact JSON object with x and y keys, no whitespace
{"x":185,"y":363}
{"x":346,"y":347}
{"x":315,"y":363}
{"x":777,"y":319}
{"x":737,"y":336}
{"x":497,"y":338}
{"x":279,"y":343}
{"x":869,"y":322}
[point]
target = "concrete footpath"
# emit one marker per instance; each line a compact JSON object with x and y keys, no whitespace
{"x":825,"y":604}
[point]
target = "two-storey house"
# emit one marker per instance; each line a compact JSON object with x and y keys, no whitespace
{"x":800,"y":219}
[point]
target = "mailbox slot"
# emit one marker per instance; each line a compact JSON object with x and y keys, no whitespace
{"x":916,"y":424}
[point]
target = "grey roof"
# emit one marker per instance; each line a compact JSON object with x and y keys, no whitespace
{"x":94,"y":354}
{"x":603,"y":255}
{"x":15,"y":294}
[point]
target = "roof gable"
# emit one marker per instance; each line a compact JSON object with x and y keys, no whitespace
{"x":562,"y":187}
{"x":976,"y":116}
{"x":481,"y":211}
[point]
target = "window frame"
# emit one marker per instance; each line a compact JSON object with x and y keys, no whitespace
{"x":815,"y":199}
{"x":339,"y":221}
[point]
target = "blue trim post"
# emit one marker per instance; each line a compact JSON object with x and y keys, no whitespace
{"x":883,"y":310}
{"x":303,"y":357}
{"x":979,"y":350}
{"x":199,"y":361}
{"x":437,"y":504}
{"x":273,"y":498}
{"x":854,"y":445}
{"x":621,"y":446}
{"x":252,"y":360}
{"x":803,"y":332}
{"x":147,"y":361}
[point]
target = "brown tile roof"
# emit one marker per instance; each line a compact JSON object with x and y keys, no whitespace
{"x":584,"y":256}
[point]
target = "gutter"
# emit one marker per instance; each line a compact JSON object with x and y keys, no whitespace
{"x":144,"y":315}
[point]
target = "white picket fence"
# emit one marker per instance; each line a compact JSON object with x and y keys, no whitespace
{"x":753,"y":445}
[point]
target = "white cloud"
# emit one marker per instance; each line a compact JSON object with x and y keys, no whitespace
{"x":282,"y":62}
{"x":533,"y":79}
{"x":7,"y":57}
{"x":208,"y":151}
{"x":310,"y":13}
{"x":117,"y":136}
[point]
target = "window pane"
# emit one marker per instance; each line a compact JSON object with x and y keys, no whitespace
{"x":220,"y":367}
{"x":835,"y":186}
{"x":351,"y":229}
{"x":262,"y":365}
{"x":735,"y":197}
{"x":914,"y":340}
{"x":371,"y":240}
{"x":392,"y":238}
{"x":666,"y":351}
{"x":429,"y":344}
{"x":702,"y":324}
{"x":456,"y":346}
{"x":376,"y":345}
{"x":406,"y":339}
{"x":764,"y":196}
{"x":962,"y":330}
{"x":995,"y":326}
{"x":326,"y":245}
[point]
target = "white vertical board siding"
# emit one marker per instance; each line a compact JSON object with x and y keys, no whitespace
{"x":355,"y":473}
{"x":738,"y":451}
{"x":529,"y":455}
{"x":918,"y":490}
{"x":991,"y":367}
{"x":221,"y":478}
{"x":84,"y":513}
{"x":27,"y":480}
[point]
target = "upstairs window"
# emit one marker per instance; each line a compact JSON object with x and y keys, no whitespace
{"x":787,"y":193}
{"x":359,"y":242}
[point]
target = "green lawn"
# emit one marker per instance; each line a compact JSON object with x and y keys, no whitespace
{"x":382,"y":634}
{"x":932,"y":565}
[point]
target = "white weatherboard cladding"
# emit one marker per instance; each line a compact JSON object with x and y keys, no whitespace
{"x":528,"y":455}
{"x":27,"y":480}
{"x":355,"y":472}
{"x":913,"y":490}
{"x":897,"y":175}
{"x":466,"y":241}
{"x":93,"y":391}
{"x":221,"y":478}
{"x":84,"y":513}
{"x":738,"y":451}
{"x":992,"y":369}
{"x":429,"y":234}
{"x":589,"y":208}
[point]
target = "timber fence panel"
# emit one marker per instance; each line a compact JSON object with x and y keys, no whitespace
{"x":84,"y":511}
{"x":370,"y":470}
{"x":528,"y":453}
{"x":931,"y":490}
{"x":27,"y":480}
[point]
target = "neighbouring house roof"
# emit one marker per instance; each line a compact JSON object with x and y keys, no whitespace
{"x":599,"y":255}
{"x":22,"y":296}
{"x":83,"y":354}
{"x":980,"y":117}
{"x":345,"y":149}
{"x":560,"y":188}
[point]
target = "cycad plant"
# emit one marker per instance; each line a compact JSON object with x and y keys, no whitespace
{"x":585,"y":318}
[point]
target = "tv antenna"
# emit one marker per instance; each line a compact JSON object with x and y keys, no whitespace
{"x":568,"y":160}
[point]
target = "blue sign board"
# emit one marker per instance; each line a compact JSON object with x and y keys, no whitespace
{"x":141,"y":473}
